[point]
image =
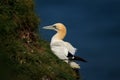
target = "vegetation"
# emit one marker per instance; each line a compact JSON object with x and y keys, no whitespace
{"x":23,"y":54}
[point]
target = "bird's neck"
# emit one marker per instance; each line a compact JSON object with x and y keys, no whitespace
{"x":59,"y":35}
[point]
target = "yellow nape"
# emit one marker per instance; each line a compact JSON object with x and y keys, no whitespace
{"x":61,"y":31}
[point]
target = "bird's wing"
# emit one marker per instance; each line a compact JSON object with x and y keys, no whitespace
{"x":70,"y":48}
{"x":59,"y":49}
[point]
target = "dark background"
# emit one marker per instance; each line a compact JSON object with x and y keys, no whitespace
{"x":93,"y":28}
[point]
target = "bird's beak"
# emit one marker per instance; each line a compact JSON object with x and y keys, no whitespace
{"x":49,"y":27}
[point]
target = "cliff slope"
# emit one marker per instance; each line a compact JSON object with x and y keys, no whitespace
{"x":23,"y":54}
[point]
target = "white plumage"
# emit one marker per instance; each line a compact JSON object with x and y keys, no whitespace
{"x":63,"y":50}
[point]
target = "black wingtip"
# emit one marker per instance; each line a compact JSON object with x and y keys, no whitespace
{"x":80,"y":59}
{"x":73,"y":57}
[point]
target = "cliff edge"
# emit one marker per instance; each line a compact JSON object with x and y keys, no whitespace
{"x":23,"y":54}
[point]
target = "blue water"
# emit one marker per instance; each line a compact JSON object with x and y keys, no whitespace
{"x":93,"y":28}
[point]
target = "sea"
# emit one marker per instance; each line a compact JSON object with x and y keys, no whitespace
{"x":93,"y":27}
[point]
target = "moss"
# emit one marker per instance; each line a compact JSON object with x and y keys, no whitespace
{"x":23,"y":54}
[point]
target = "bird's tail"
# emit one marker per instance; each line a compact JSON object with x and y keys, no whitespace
{"x":79,"y":58}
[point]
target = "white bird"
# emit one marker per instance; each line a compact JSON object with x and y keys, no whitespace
{"x":62,"y":49}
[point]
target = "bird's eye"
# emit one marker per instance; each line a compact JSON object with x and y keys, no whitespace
{"x":54,"y":26}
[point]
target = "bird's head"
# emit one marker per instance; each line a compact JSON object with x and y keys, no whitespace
{"x":60,"y":28}
{"x":57,"y":27}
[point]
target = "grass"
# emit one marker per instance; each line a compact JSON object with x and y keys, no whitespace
{"x":23,"y":54}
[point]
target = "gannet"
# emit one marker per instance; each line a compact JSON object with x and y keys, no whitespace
{"x":62,"y":49}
